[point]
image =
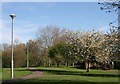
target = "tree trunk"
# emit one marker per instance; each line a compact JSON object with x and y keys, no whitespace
{"x":73,"y":64}
{"x":58,"y":64}
{"x":88,"y":68}
{"x":49,"y":64}
{"x":44,"y":64}
{"x":104,"y":65}
{"x":48,"y":61}
{"x":66,"y":64}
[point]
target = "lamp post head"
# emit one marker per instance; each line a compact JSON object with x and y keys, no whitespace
{"x":12,"y":16}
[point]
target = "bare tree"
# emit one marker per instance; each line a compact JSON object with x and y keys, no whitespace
{"x":46,"y":38}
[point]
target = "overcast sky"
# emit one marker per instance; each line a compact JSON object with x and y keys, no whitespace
{"x":30,"y":16}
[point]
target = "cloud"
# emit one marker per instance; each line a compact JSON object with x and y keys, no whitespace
{"x":103,"y":29}
{"x":29,"y":25}
{"x":44,"y":17}
{"x":50,"y":0}
{"x":22,"y":32}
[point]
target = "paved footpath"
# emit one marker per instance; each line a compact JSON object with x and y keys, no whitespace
{"x":35,"y":73}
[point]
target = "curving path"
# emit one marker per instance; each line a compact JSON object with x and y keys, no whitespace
{"x":35,"y":73}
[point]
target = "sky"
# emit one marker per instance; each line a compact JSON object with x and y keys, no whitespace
{"x":31,"y":16}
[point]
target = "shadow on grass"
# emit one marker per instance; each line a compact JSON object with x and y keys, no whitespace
{"x":62,"y":72}
{"x":63,"y":82}
{"x":23,"y":70}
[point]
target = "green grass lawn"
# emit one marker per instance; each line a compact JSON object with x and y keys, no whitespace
{"x":73,"y":75}
{"x":75,"y":71}
{"x":71,"y":78}
{"x":18,"y":72}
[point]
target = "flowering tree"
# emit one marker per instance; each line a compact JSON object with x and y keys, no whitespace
{"x":91,"y":43}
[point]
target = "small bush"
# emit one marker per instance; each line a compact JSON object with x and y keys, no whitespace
{"x":80,"y":65}
{"x":95,"y":66}
{"x":109,"y":66}
{"x":117,"y":64}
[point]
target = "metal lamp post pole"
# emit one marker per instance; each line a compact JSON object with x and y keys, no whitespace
{"x":12,"y":16}
{"x":27,"y":55}
{"x":12,"y":52}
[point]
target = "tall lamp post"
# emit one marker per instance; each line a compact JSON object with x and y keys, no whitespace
{"x":27,"y":55}
{"x":12,"y":16}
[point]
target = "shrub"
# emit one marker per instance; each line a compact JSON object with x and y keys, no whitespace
{"x":109,"y":66}
{"x":80,"y":65}
{"x":117,"y":64}
{"x":95,"y":66}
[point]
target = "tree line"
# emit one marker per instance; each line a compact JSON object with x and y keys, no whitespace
{"x":55,"y":46}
